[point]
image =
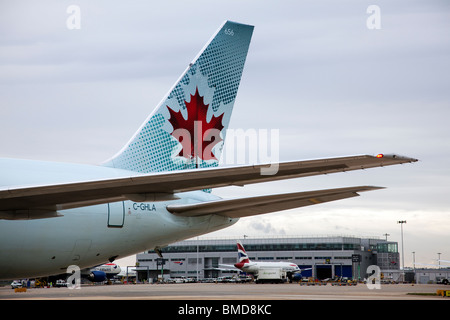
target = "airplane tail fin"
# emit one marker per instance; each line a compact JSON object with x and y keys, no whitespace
{"x":243,"y":257}
{"x":187,"y":128}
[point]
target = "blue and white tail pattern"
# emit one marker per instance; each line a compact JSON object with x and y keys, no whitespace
{"x":187,"y":129}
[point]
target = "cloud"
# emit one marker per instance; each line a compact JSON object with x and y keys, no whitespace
{"x":265,"y":227}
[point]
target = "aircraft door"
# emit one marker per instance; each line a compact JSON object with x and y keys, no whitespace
{"x":116,"y":214}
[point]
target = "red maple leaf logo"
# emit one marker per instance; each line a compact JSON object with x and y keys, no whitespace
{"x":196,"y":135}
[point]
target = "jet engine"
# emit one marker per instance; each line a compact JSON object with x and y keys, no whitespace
{"x":97,"y":276}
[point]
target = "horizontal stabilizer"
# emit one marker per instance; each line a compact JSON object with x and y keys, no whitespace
{"x":244,"y":207}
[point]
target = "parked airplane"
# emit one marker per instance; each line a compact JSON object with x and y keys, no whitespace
{"x":99,"y":273}
{"x":102,"y":273}
{"x":152,"y":193}
{"x":248,"y":266}
{"x":292,"y":270}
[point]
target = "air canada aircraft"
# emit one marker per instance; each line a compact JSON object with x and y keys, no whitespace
{"x":157,"y":189}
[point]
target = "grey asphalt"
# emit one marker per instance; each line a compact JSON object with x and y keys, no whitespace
{"x":212,"y":291}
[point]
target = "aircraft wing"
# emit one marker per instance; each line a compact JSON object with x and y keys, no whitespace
{"x":249,"y":206}
{"x":54,"y":197}
{"x":227,"y":267}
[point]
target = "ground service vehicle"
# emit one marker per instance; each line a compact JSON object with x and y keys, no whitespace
{"x":271,"y":275}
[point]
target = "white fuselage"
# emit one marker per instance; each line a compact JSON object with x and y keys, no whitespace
{"x":81,"y":236}
{"x":111,"y":269}
{"x":254,"y":267}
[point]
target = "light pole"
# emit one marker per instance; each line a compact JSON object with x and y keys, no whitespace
{"x":403,"y":247}
{"x":197,"y":257}
{"x":414,"y":265}
{"x":439,"y":260}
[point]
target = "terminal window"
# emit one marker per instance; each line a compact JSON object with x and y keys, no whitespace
{"x":387,"y":247}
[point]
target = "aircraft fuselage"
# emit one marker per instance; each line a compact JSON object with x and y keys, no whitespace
{"x":90,"y":235}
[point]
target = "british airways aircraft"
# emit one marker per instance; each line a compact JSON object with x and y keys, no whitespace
{"x":156,"y":190}
{"x":246,"y":265}
{"x":102,"y":273}
{"x":255,"y":267}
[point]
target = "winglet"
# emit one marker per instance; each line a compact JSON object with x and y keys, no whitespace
{"x":396,"y":157}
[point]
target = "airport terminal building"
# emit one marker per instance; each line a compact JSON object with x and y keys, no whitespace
{"x":326,"y":257}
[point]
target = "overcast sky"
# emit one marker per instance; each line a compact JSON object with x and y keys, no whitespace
{"x":314,"y":71}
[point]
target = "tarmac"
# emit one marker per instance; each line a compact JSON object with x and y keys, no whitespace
{"x":229,"y":300}
{"x":229,"y":292}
